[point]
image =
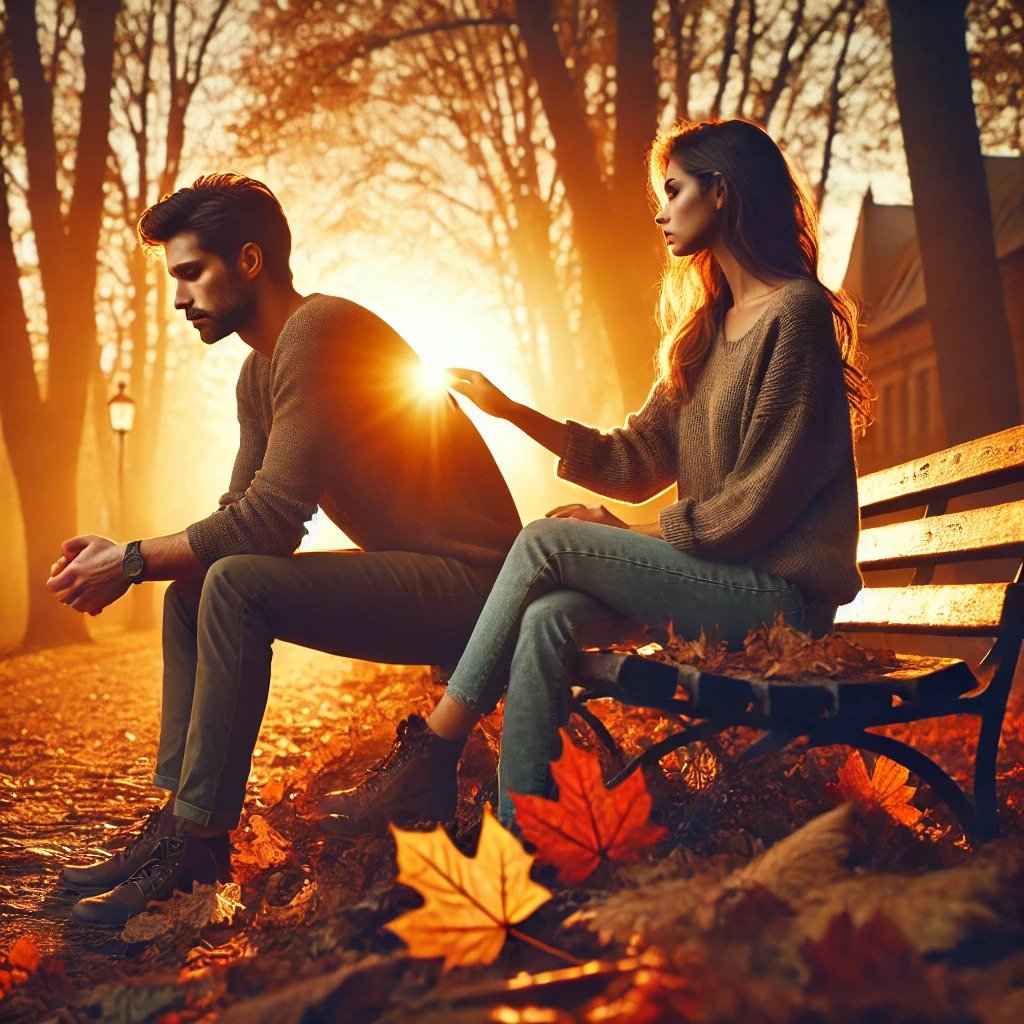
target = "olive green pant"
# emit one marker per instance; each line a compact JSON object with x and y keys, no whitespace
{"x":218,"y":631}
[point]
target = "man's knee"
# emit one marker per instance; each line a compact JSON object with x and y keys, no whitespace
{"x":234,"y":578}
{"x":181,"y":599}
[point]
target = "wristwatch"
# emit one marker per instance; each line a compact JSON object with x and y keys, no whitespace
{"x":133,"y":564}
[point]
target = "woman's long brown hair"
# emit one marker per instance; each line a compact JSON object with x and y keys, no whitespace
{"x":769,"y":225}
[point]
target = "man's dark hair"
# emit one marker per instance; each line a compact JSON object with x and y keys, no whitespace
{"x":223,"y":211}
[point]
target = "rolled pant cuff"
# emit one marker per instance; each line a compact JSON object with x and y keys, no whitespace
{"x":208,"y":819}
{"x":165,"y":782}
{"x":479,"y":706}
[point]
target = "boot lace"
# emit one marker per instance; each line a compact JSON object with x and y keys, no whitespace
{"x":150,"y":828}
{"x":153,"y":875}
{"x":398,"y":745}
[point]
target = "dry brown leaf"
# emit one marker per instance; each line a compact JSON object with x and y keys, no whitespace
{"x":205,"y":905}
{"x":779,"y":651}
{"x":272,"y":792}
{"x":471,"y":902}
{"x":266,"y":848}
{"x":295,"y":911}
{"x":935,"y":911}
{"x":809,"y":859}
{"x":707,"y":652}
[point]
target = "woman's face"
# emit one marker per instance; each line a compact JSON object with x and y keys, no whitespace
{"x":690,"y":216}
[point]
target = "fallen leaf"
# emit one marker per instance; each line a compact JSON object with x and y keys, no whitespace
{"x":588,"y":823}
{"x":205,"y":905}
{"x":266,"y":849}
{"x":936,"y":911}
{"x":707,"y":652}
{"x":289,"y":914}
{"x":272,"y":792}
{"x":810,"y":858}
{"x":779,"y":651}
{"x":870,"y":967}
{"x":24,"y":954}
{"x":471,"y":902}
{"x":885,"y":789}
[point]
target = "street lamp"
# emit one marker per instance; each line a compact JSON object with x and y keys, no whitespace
{"x":121,"y":410}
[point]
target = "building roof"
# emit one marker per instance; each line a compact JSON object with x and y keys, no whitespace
{"x":884,"y":270}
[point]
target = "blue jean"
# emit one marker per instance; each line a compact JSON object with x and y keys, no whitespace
{"x":567,"y":584}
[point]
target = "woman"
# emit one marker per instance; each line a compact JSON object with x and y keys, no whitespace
{"x":753,"y":414}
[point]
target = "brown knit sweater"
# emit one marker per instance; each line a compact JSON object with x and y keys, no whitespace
{"x":335,"y":420}
{"x":762,"y":454}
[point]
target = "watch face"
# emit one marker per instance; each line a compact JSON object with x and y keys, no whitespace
{"x":133,"y":565}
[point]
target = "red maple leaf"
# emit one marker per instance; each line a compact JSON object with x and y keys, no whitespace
{"x":588,"y":823}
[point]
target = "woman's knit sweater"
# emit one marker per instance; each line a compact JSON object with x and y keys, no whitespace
{"x":762,"y":453}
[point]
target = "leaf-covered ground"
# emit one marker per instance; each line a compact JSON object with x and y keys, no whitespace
{"x":765,"y":901}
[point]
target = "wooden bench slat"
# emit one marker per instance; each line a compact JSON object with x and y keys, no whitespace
{"x":974,"y":466}
{"x":956,"y":609}
{"x":991,"y":532}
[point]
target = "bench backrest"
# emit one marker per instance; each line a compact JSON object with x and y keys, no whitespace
{"x":995,"y":531}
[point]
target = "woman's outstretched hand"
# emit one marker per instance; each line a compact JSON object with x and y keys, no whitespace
{"x":483,"y":394}
{"x":589,"y":514}
{"x":480,"y":391}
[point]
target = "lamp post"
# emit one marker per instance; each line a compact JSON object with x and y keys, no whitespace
{"x":121,"y":410}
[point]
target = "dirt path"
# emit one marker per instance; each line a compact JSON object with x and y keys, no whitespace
{"x":78,"y":735}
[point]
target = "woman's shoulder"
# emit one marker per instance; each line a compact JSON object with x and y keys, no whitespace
{"x":803,"y":296}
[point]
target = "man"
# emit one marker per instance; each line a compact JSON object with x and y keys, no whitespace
{"x":327,"y":417}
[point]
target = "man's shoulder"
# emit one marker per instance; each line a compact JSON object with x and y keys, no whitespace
{"x":322,"y":314}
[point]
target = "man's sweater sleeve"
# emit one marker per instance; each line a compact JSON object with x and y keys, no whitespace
{"x":252,"y":442}
{"x":789,"y":452}
{"x":270,"y":516}
{"x":629,"y":463}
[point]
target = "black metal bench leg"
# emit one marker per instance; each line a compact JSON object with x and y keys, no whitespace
{"x":985,"y":773}
{"x":920,"y":764}
{"x":600,"y":730}
{"x":653,"y":754}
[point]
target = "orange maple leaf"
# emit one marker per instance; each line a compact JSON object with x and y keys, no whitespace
{"x":471,"y":902}
{"x":24,"y":954}
{"x":588,"y":822}
{"x":886,"y":788}
{"x":23,"y":958}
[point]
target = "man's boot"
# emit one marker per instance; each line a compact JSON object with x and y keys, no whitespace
{"x":105,"y":875}
{"x":177,"y":861}
{"x":415,"y":781}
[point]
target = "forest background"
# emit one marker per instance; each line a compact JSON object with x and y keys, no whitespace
{"x":471,"y":170}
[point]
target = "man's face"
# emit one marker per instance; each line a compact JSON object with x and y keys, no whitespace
{"x":218,"y":300}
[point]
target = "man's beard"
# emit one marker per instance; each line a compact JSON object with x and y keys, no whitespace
{"x":238,"y":311}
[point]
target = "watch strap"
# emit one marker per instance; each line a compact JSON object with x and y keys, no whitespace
{"x":134,"y":565}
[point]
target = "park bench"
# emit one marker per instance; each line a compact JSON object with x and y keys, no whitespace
{"x":828,"y":711}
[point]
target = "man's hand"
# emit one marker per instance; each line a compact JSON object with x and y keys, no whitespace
{"x":88,"y":576}
{"x":589,"y":514}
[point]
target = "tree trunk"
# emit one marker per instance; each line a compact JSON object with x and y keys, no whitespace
{"x":618,"y":258}
{"x":974,"y":352}
{"x":43,"y":437}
